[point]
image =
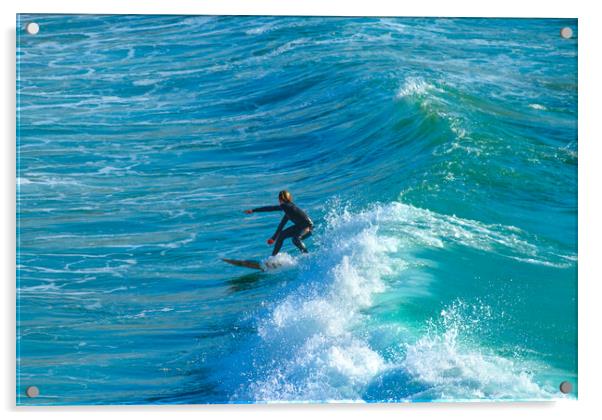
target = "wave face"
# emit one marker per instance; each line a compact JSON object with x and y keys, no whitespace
{"x":438,"y":158}
{"x":321,"y":341}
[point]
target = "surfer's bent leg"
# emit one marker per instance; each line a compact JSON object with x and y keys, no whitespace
{"x":298,"y":242}
{"x":286,"y":233}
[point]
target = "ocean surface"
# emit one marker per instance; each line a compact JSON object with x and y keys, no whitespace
{"x":437,"y":158}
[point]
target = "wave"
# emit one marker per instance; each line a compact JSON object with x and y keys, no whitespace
{"x":308,"y":340}
{"x":317,"y":343}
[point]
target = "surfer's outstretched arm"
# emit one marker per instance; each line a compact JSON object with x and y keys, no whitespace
{"x":264,"y":209}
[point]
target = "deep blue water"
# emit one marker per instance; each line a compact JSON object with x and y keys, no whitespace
{"x":438,"y":158}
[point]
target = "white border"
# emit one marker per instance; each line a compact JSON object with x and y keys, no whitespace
{"x":590,"y":210}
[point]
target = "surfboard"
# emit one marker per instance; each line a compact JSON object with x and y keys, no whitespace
{"x":244,"y":263}
{"x":253,"y":264}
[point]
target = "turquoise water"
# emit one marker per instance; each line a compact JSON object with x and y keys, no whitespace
{"x":437,"y":157}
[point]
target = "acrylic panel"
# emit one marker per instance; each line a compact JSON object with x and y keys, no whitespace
{"x":419,"y":176}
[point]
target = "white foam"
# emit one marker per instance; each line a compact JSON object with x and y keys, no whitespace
{"x":287,"y":47}
{"x":414,"y":86}
{"x":453,"y":367}
{"x":312,"y":329}
{"x":422,"y":227}
{"x":260,"y":29}
{"x":108,"y":170}
{"x":50,"y":287}
{"x":23,"y":181}
{"x":279,"y":262}
{"x":50,"y":181}
{"x":146,"y":312}
{"x":538,"y":107}
{"x":145,"y":82}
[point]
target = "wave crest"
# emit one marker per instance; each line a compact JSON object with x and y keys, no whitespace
{"x":317,"y":343}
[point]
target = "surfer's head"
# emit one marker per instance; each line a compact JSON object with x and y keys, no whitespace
{"x":285,"y":197}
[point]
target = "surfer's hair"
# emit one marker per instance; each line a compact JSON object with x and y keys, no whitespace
{"x":285,"y":196}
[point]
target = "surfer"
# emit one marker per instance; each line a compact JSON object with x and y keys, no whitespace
{"x":301,"y":229}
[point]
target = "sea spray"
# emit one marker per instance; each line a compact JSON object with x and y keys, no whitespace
{"x":315,"y":344}
{"x":452,"y":365}
{"x":281,"y":261}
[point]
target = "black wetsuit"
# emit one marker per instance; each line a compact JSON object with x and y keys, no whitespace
{"x":301,"y":229}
